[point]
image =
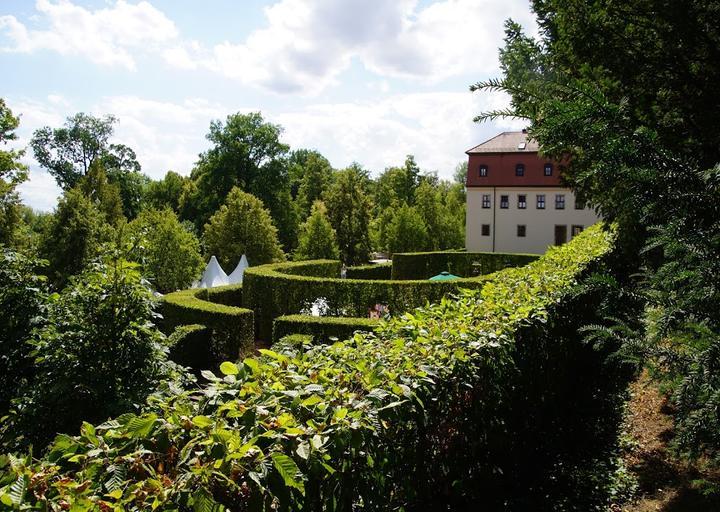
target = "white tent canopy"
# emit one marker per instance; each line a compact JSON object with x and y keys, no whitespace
{"x":237,"y":275}
{"x":214,"y":275}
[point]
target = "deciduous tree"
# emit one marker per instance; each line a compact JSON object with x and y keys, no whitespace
{"x":317,"y":238}
{"x":349,"y":211}
{"x":12,"y":173}
{"x":242,"y":226}
{"x":167,"y":250}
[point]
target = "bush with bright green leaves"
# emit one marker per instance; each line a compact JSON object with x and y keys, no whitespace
{"x":321,"y":329}
{"x":167,"y":250}
{"x":98,"y":355}
{"x":242,"y":225}
{"x":23,"y":308}
{"x":488,"y":397}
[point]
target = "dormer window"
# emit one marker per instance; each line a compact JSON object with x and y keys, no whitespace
{"x":520,"y":170}
{"x":483,"y":171}
{"x":548,"y":170}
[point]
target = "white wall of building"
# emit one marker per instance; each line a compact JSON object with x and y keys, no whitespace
{"x":539,"y":224}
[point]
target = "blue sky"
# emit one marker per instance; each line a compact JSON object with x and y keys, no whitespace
{"x":359,"y":80}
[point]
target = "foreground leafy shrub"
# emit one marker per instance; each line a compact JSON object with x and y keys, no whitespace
{"x":23,"y":307}
{"x":419,"y":416}
{"x":98,"y":355}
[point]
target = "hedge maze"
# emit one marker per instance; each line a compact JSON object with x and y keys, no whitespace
{"x":274,"y":300}
{"x":487,"y":397}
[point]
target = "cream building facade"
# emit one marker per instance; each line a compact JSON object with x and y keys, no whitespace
{"x":515,"y":202}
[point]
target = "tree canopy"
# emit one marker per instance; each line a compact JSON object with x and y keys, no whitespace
{"x":167,"y":250}
{"x":625,"y":94}
{"x":317,"y":238}
{"x":12,"y":173}
{"x":349,"y":210}
{"x":246,"y":153}
{"x":242,"y":226}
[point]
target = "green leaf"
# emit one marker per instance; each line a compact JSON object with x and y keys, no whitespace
{"x":289,"y":471}
{"x":204,"y":502}
{"x":303,"y":450}
{"x":228,"y":368}
{"x":140,"y":426}
{"x":202,"y":421}
{"x":312,"y":400}
{"x":17,"y":489}
{"x":252,"y":364}
{"x":117,"y":480}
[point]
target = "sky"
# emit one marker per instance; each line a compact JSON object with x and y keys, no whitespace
{"x":367,"y":81}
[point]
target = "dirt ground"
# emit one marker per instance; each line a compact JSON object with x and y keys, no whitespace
{"x":665,"y":483}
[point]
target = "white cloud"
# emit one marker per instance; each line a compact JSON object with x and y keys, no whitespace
{"x":435,"y":127}
{"x":108,"y":36}
{"x":303,"y":48}
{"x":308,"y":43}
{"x":40,"y":191}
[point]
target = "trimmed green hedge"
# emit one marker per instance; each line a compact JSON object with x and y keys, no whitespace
{"x":230,"y":295}
{"x":290,"y":288}
{"x":456,"y":404}
{"x":189,"y":346}
{"x":371,"y":271}
{"x":321,"y":328}
{"x":424,"y":265}
{"x":194,"y":306}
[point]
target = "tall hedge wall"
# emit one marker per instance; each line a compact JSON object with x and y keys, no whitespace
{"x":371,"y":271}
{"x":456,"y":406}
{"x":281,"y":289}
{"x":321,"y":328}
{"x":423,"y":265}
{"x":209,"y":307}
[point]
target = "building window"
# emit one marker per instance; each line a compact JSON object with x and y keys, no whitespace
{"x":483,"y":171}
{"x":522,"y":201}
{"x":540,"y":205}
{"x":576,"y":230}
{"x":559,"y":201}
{"x":548,"y":170}
{"x":485,"y":230}
{"x":579,"y":205}
{"x":519,"y":170}
{"x":521,"y":230}
{"x":486,"y":201}
{"x":504,"y":202}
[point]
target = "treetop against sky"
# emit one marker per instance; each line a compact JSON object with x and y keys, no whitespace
{"x":359,"y":80}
